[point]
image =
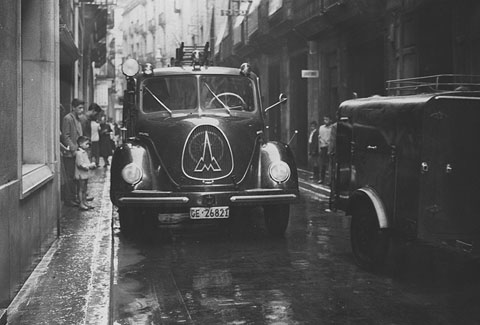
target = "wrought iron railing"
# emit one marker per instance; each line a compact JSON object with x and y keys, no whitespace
{"x":434,"y":83}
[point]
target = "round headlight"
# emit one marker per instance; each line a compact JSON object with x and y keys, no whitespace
{"x":279,"y":171}
{"x":131,"y":173}
{"x":130,"y":67}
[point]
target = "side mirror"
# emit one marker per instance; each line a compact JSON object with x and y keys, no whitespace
{"x":281,"y":99}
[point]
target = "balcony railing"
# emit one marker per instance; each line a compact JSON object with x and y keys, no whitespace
{"x":305,"y":9}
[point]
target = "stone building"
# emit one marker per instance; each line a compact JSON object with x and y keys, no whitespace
{"x":321,"y":52}
{"x":45,"y":57}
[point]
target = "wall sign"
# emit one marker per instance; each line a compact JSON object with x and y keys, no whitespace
{"x":310,"y":74}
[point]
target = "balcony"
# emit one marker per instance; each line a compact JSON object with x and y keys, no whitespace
{"x":152,"y":26}
{"x":281,"y":22}
{"x":267,"y":26}
{"x":311,"y":18}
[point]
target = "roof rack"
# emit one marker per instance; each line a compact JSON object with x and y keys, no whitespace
{"x":434,"y":83}
{"x":191,"y":55}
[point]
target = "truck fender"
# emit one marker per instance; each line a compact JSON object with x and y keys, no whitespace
{"x":376,"y":203}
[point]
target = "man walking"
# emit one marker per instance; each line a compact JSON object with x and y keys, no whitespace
{"x":71,"y":130}
{"x":324,"y":133}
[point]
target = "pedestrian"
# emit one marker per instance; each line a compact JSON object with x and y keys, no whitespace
{"x":116,"y":132}
{"x":91,"y":114}
{"x":82,"y":171}
{"x":63,"y":175}
{"x":313,"y":150}
{"x":95,"y":140}
{"x":112,"y":134}
{"x":324,"y":133}
{"x":71,"y":130}
{"x":105,"y":141}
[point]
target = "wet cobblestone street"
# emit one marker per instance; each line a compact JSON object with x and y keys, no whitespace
{"x":211,"y":275}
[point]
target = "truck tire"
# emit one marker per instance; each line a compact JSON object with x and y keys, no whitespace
{"x":276,"y":219}
{"x":127,"y":221}
{"x":369,"y":242}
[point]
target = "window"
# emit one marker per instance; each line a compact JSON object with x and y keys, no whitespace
{"x":38,"y":95}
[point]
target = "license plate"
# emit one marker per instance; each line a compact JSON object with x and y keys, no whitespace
{"x":209,"y":213}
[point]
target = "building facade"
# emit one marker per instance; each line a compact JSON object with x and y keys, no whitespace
{"x":322,"y":52}
{"x":29,"y":119}
{"x":46,"y":61}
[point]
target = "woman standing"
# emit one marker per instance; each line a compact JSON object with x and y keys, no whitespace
{"x":105,"y":141}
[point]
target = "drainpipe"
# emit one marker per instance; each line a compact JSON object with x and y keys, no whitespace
{"x":76,"y":38}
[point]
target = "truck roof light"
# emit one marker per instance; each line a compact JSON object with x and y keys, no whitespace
{"x":245,"y":69}
{"x":148,"y":70}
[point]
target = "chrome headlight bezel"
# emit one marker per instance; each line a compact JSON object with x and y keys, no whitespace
{"x":132,"y":173}
{"x":279,"y":171}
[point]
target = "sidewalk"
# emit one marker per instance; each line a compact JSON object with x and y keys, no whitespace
{"x":71,"y":284}
{"x":306,"y":184}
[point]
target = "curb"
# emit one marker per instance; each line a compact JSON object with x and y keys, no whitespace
{"x":304,"y":182}
{"x":97,"y":309}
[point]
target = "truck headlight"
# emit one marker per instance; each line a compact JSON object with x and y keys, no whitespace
{"x":130,"y":67}
{"x":132,"y":174}
{"x":279,"y":171}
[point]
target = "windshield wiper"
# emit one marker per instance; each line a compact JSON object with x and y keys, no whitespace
{"x":216,"y":97}
{"x":158,"y":100}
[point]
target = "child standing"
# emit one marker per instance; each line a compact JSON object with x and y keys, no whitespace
{"x":82,"y":171}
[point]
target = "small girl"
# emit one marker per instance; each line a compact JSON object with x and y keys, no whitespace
{"x":82,"y":171}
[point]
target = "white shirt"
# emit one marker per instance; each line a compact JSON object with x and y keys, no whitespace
{"x":324,"y":135}
{"x":95,"y":128}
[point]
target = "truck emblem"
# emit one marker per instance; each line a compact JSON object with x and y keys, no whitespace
{"x":207,"y":155}
{"x":207,"y":161}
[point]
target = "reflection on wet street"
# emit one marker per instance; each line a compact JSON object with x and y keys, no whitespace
{"x":239,"y":275}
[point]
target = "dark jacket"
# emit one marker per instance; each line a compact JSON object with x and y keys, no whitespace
{"x":313,"y":145}
{"x":71,"y":130}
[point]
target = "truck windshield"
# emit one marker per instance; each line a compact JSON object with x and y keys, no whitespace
{"x":227,"y":92}
{"x":217,"y":92}
{"x":169,"y":94}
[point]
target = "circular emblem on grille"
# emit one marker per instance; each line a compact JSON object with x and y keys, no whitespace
{"x":207,"y":154}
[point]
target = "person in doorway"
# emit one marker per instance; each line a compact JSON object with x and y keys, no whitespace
{"x":71,"y":130}
{"x":324,"y":136}
{"x":313,"y":150}
{"x":82,"y":171}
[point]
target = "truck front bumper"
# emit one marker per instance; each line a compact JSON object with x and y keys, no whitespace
{"x":142,"y":198}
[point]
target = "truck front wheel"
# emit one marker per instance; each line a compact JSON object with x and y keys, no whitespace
{"x":276,"y":219}
{"x":369,"y":241}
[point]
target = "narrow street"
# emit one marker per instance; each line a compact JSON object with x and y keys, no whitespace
{"x":213,"y":275}
{"x":219,"y":275}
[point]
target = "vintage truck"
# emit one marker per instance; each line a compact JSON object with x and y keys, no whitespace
{"x":195,"y":147}
{"x":406,"y":166}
